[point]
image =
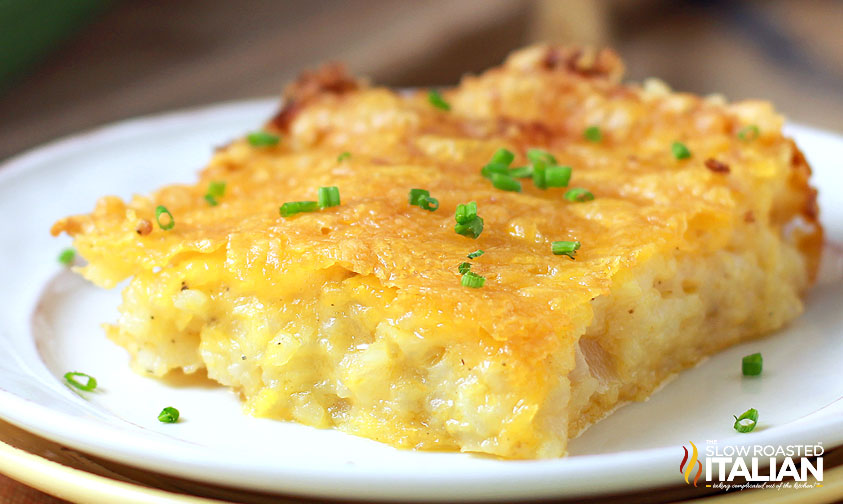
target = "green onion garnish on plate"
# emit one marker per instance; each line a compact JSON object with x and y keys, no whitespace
{"x":747,"y":421}
{"x":67,"y":256}
{"x":477,"y":253}
{"x":751,"y":364}
{"x":89,"y":384}
{"x":168,"y":415}
{"x":344,"y":156}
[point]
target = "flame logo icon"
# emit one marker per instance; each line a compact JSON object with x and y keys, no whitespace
{"x":687,"y":470}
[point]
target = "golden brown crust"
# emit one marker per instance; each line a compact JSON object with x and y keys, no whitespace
{"x":586,"y":62}
{"x":330,"y":78}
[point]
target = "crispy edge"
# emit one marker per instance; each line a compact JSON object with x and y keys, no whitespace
{"x":810,"y":238}
{"x":330,"y":78}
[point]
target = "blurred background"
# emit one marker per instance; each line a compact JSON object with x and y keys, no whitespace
{"x":69,"y":65}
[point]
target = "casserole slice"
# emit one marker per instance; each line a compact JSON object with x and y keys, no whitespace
{"x":702,"y":232}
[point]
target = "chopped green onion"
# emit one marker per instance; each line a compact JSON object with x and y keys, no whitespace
{"x":752,"y":364}
{"x":215,"y":190}
{"x":477,"y":253}
{"x":747,"y":421}
{"x":535,"y":155}
{"x":294,"y":207}
{"x":521,"y":171}
{"x":539,"y":174}
{"x":465,"y":212}
{"x":416,"y":195}
{"x":421,"y":198}
{"x":429,"y":204}
{"x":329,"y":197}
{"x":468,"y":222}
{"x":464,"y":268}
{"x":497,"y":170}
{"x":472,"y":228}
{"x":579,"y":194}
{"x":680,"y":151}
{"x":262,"y":139}
{"x":503,"y":156}
{"x":545,"y":176}
{"x":342,"y":157}
{"x":505,"y":182}
{"x":557,"y":176}
{"x":568,"y":248}
{"x":748,"y":133}
{"x":472,"y":280}
{"x":593,"y":134}
{"x":89,"y":385}
{"x":159,"y":211}
{"x":493,"y":168}
{"x":67,"y":256}
{"x":544,"y":170}
{"x":168,"y":415}
{"x":437,"y":101}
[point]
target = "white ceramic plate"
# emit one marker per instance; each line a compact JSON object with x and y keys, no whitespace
{"x":50,"y":320}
